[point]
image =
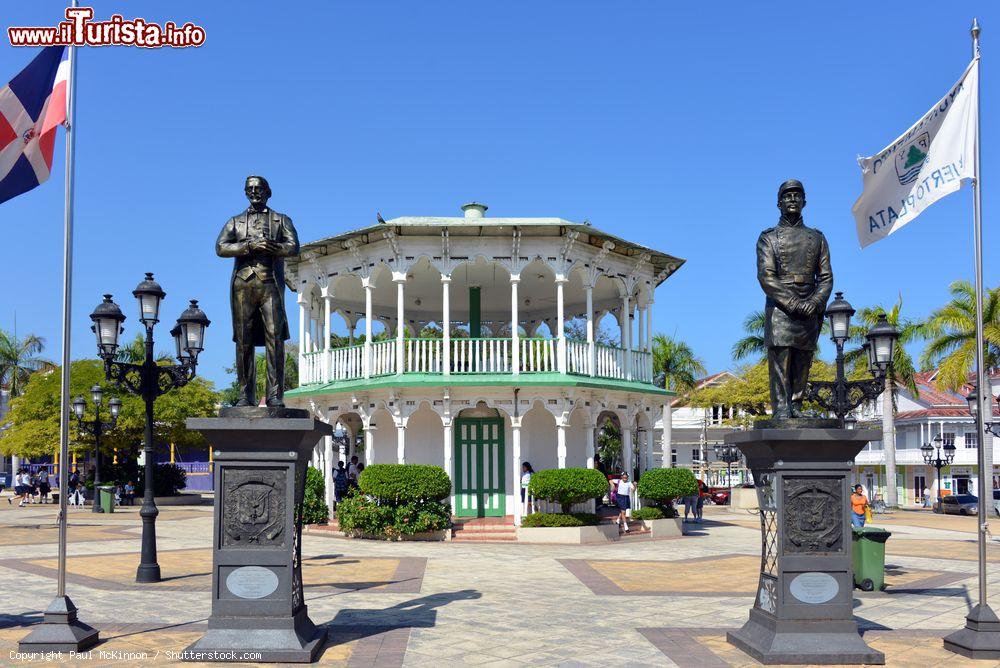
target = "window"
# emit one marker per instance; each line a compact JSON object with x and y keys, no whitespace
{"x":971,"y":439}
{"x":695,"y":455}
{"x":673,"y":458}
{"x":948,"y":438}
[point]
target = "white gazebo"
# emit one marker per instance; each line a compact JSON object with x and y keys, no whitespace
{"x":470,"y":343}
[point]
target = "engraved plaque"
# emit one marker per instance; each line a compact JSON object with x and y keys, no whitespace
{"x":252,"y":582}
{"x":253,"y":507}
{"x":814,"y":519}
{"x":814,"y":588}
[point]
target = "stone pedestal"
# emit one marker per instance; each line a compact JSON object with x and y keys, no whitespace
{"x":257,"y":599}
{"x":803,"y":610}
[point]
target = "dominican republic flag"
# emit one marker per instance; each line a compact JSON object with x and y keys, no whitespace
{"x":32,"y":105}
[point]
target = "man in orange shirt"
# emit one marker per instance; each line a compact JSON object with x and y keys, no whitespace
{"x":858,"y":504}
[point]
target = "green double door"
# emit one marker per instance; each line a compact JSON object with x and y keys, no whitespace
{"x":480,"y":489}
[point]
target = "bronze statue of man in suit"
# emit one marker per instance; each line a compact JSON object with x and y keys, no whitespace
{"x":259,"y":239}
{"x":793,"y":267}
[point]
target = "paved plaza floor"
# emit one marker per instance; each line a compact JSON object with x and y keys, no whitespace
{"x":633,"y":603}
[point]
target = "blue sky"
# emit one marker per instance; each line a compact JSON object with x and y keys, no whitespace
{"x":669,"y":123}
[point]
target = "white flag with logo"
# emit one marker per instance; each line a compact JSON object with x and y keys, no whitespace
{"x":924,"y":164}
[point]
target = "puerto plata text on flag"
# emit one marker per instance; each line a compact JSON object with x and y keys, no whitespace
{"x":32,"y":105}
{"x":922,"y":165}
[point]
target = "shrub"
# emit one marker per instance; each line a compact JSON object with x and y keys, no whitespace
{"x":647,"y":513}
{"x":168,"y":479}
{"x":314,"y":508}
{"x":359,"y":514}
{"x":662,"y":486}
{"x":402,"y":483}
{"x":421,"y":516}
{"x":568,"y":486}
{"x":560,"y":519}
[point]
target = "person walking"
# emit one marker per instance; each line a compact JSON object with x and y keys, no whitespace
{"x":859,"y":502}
{"x":43,"y":485}
{"x":624,"y":496}
{"x":22,"y":486}
{"x":699,"y":503}
{"x":129,"y":493}
{"x":339,"y":484}
{"x":526,"y":472}
{"x":927,"y":498}
{"x":74,"y":498}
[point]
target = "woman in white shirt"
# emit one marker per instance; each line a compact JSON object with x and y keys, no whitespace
{"x":526,"y":472}
{"x":624,"y":493}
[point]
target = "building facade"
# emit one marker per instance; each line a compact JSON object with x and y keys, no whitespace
{"x":455,"y":349}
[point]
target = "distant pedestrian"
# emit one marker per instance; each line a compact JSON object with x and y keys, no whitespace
{"x":352,"y":468}
{"x":699,"y":504}
{"x":361,"y":469}
{"x":43,"y":485}
{"x":526,"y":472}
{"x":624,"y":496}
{"x":859,"y":502}
{"x":927,"y":498}
{"x":339,"y":483}
{"x":23,"y":487}
{"x":129,"y":490}
{"x":75,"y":497}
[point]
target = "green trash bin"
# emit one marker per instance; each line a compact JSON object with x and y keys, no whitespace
{"x":868,"y":557}
{"x":107,"y":499}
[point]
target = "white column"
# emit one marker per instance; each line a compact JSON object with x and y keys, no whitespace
{"x":515,"y":431}
{"x":666,"y":442}
{"x":327,"y":357}
{"x":308,"y":341}
{"x":515,"y":345}
{"x":561,"y":443}
{"x":446,"y":326}
{"x":370,"y":443}
{"x":328,"y":465}
{"x":649,"y":328}
{"x":640,"y":334}
{"x":449,"y":465}
{"x":399,"y":278}
{"x":560,"y":324}
{"x":591,"y":428}
{"x":400,"y":443}
{"x":369,"y":288}
{"x":591,"y":347}
{"x":627,"y":454}
{"x":303,"y":378}
{"x":627,"y":336}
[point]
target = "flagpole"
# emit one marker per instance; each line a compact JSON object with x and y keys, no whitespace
{"x":980,"y":639}
{"x":60,"y":629}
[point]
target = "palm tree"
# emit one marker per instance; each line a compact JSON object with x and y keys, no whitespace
{"x":135,"y":352}
{"x":751,"y":345}
{"x":676,"y":362}
{"x":901,"y":374}
{"x":952,"y":333}
{"x":19,"y":359}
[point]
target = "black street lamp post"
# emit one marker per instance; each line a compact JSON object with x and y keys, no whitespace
{"x":988,"y":423}
{"x":149,"y":380}
{"x":841,"y":396}
{"x":96,"y":428}
{"x":728,"y":454}
{"x":927,"y":450}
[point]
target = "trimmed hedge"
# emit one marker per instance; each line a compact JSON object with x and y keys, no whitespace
{"x":314,"y":508}
{"x":662,"y":486}
{"x":567,"y":486}
{"x":560,"y":519}
{"x":402,"y":483}
{"x":647,"y":513}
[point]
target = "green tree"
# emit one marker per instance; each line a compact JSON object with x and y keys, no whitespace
{"x":676,"y":363}
{"x":34,"y":416}
{"x":609,"y":445}
{"x":576,"y":330}
{"x":751,"y":345}
{"x":231,"y":394}
{"x":951,"y":330}
{"x":19,"y":358}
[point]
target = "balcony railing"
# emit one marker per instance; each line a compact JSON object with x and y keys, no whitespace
{"x":474,"y":356}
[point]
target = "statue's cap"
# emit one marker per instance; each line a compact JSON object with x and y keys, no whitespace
{"x":791,"y":184}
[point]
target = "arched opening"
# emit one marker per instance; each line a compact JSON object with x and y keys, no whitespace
{"x":384,"y":438}
{"x":578,"y":454}
{"x":481,"y":465}
{"x":424,"y":437}
{"x":608,"y":443}
{"x":539,"y":441}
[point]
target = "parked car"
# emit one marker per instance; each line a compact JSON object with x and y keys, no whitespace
{"x":996,"y":502}
{"x":958,"y":504}
{"x":719,"y":495}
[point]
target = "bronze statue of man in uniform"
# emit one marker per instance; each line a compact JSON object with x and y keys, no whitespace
{"x":259,"y":239}
{"x":793,"y":267}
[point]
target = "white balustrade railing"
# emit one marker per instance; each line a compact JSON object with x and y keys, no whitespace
{"x":383,"y":358}
{"x":577,"y":357}
{"x":424,"y":356}
{"x":347,"y":363}
{"x":642,"y":366}
{"x":480,"y":356}
{"x":311,"y":370}
{"x":610,"y":363}
{"x":538,"y":355}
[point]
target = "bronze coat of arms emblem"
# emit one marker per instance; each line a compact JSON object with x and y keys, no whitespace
{"x":814,"y":516}
{"x":254,"y":508}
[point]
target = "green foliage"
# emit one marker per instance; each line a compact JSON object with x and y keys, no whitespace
{"x":34,"y":416}
{"x":662,"y":486}
{"x":168,"y":479}
{"x":314,"y":508}
{"x":560,"y":519}
{"x":421,"y":516}
{"x":567,"y":486}
{"x":360,"y":515}
{"x":649,"y":513}
{"x":951,"y":331}
{"x":675,"y":363}
{"x":19,"y":359}
{"x":401,"y":483}
{"x":609,"y":445}
{"x":231,"y":394}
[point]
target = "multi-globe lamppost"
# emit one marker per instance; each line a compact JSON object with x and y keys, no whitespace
{"x":938,"y":462}
{"x":149,"y":380}
{"x":728,"y":454}
{"x":96,"y":428}
{"x":841,"y":396}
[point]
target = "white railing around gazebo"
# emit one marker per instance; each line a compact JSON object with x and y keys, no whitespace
{"x":474,"y":356}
